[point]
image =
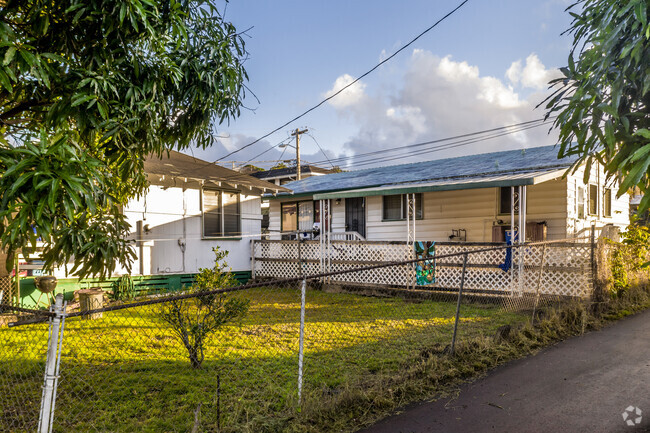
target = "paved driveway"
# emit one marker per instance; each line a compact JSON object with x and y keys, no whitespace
{"x":583,"y":384}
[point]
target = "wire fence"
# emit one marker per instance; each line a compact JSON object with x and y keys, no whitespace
{"x":7,"y":291}
{"x":257,"y":357}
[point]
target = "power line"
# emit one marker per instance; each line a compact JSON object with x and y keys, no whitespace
{"x":321,"y":149}
{"x":350,"y":84}
{"x":267,"y":150}
{"x":447,"y":146}
{"x":424,"y":143}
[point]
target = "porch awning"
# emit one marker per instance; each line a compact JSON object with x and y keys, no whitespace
{"x":451,"y":184}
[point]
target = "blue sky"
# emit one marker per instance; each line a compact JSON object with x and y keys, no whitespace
{"x":486,"y":66}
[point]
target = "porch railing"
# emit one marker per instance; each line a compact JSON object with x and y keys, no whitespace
{"x":344,"y":236}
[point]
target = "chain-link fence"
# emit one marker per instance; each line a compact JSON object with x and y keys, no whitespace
{"x":7,"y":291}
{"x":261,"y":356}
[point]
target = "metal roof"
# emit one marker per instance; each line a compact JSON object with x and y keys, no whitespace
{"x":506,"y":168}
{"x":290,"y":171}
{"x":180,"y":169}
{"x":489,"y":181}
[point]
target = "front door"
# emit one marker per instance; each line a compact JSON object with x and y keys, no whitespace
{"x":355,"y":215}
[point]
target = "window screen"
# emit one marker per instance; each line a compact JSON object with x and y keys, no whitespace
{"x":289,"y":217}
{"x":593,"y":199}
{"x":396,"y":206}
{"x":221,"y":214}
{"x":580,"y":202}
{"x":607,"y":202}
{"x":392,"y":207}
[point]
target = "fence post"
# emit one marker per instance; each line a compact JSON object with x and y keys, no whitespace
{"x":593,"y":252}
{"x":253,"y":259}
{"x":52,"y":364}
{"x":460,"y":295}
{"x":539,"y":283}
{"x":303,"y":289}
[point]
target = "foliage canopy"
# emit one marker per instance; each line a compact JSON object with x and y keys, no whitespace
{"x":89,"y":89}
{"x":603,"y":101}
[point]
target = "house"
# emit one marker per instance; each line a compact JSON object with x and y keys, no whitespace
{"x":190,"y":207}
{"x":472,"y":198}
{"x":281,"y":176}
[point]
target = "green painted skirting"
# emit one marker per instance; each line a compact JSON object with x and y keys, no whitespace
{"x":150,"y":283}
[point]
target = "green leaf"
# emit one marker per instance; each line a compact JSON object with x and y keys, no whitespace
{"x":9,"y":56}
{"x":643,"y":132}
{"x":4,"y":80}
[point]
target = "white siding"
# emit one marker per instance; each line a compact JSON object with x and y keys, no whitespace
{"x":620,"y":206}
{"x":174,"y":215}
{"x":474,"y":210}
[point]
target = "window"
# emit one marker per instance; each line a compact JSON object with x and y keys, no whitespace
{"x":221,"y":214}
{"x":395,"y":207}
{"x":580,"y":202}
{"x":305,"y":216}
{"x":505,"y":201}
{"x":299,"y":216}
{"x":607,"y":202}
{"x":593,"y":199}
{"x":289,"y":217}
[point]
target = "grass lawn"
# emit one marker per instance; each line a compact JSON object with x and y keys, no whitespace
{"x":127,"y":372}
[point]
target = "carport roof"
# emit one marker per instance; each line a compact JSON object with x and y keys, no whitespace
{"x":179,"y":169}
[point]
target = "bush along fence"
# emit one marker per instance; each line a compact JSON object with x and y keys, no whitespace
{"x":273,"y":355}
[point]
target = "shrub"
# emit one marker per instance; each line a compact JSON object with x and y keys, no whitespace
{"x":194,"y":320}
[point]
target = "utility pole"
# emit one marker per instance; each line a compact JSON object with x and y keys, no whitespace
{"x":296,"y":134}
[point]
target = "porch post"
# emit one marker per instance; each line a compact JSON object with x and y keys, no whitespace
{"x":408,"y":220}
{"x":320,"y":237}
{"x":413,"y":208}
{"x":329,"y":237}
{"x":512,"y":214}
{"x":519,"y":215}
{"x":522,"y":235}
{"x":410,"y":239}
{"x":524,"y":211}
{"x":512,"y":237}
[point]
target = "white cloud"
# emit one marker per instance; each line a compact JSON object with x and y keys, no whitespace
{"x":441,"y":97}
{"x":514,"y":72}
{"x":349,"y":96}
{"x":533,"y":76}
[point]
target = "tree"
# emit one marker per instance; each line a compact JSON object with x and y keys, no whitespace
{"x":88,"y":89}
{"x":193,"y":320}
{"x":603,"y":101}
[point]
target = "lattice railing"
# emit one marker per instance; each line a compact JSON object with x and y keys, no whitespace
{"x":565,"y":267}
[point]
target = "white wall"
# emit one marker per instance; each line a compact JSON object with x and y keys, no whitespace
{"x":620,"y":206}
{"x":174,"y":214}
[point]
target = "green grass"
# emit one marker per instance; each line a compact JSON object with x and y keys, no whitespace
{"x":127,"y":372}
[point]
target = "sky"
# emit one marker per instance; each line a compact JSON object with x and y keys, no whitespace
{"x":484,"y":67}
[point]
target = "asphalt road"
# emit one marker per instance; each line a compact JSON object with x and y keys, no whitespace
{"x":583,"y":384}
